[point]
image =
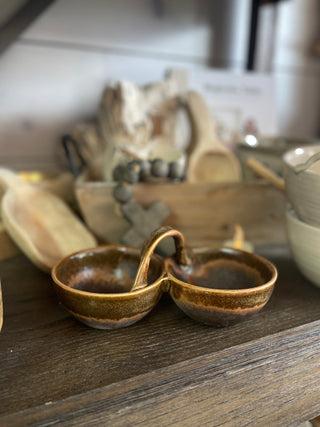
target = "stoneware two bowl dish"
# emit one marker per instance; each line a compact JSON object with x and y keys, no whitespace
{"x":302,"y":182}
{"x":114,"y":286}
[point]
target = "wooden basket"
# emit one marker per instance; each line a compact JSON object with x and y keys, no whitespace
{"x":205,"y":213}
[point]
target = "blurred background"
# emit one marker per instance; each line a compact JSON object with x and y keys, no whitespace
{"x":57,"y":57}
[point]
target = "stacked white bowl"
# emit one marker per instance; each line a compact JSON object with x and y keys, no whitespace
{"x":302,"y":180}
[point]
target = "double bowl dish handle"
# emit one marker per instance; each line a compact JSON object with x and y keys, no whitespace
{"x":149,"y":247}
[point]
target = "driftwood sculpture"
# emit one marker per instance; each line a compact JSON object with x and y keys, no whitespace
{"x":161,"y":120}
{"x":144,"y":122}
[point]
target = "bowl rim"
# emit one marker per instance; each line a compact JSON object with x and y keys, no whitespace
{"x":167,"y":276}
{"x":122,"y":295}
{"x":304,"y":147}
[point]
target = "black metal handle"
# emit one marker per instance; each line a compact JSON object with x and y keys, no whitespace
{"x":71,"y":148}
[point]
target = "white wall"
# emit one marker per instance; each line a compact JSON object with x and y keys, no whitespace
{"x":296,"y":69}
{"x":53,"y":75}
{"x":288,"y":32}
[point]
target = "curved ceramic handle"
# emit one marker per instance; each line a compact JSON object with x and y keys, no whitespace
{"x":303,"y":166}
{"x":150,"y":245}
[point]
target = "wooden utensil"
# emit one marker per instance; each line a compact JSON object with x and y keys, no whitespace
{"x":41,"y":224}
{"x":209,"y":159}
{"x":266,"y":173}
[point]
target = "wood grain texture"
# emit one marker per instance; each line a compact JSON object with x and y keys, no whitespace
{"x":166,"y":369}
{"x":211,"y":390}
{"x":257,"y":207}
{"x":40,"y":223}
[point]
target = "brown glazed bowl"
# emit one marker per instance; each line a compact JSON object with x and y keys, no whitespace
{"x":114,"y":286}
{"x":216,"y":286}
{"x":222,"y":286}
{"x":95,"y":285}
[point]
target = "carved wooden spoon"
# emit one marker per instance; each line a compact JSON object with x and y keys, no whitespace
{"x":209,"y":159}
{"x":266,"y":173}
{"x":41,"y":224}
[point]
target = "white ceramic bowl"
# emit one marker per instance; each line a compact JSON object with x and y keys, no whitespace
{"x":303,"y":188}
{"x":304,"y":240}
{"x":267,"y":150}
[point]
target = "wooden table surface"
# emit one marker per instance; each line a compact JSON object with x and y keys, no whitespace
{"x":166,"y":369}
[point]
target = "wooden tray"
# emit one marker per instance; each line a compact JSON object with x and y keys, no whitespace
{"x":164,"y":370}
{"x":204,"y":213}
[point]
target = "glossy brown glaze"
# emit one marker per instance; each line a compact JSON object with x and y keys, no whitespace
{"x":149,"y":247}
{"x":221,"y":287}
{"x":94,"y":285}
{"x":113,"y":286}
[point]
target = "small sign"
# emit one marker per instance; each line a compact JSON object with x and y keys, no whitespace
{"x":241,"y":103}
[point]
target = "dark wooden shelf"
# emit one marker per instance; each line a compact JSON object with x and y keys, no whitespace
{"x":166,"y":369}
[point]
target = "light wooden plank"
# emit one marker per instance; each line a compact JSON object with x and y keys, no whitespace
{"x":205,"y":213}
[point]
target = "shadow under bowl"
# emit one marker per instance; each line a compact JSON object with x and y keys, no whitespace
{"x":94,"y":286}
{"x":222,"y":286}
